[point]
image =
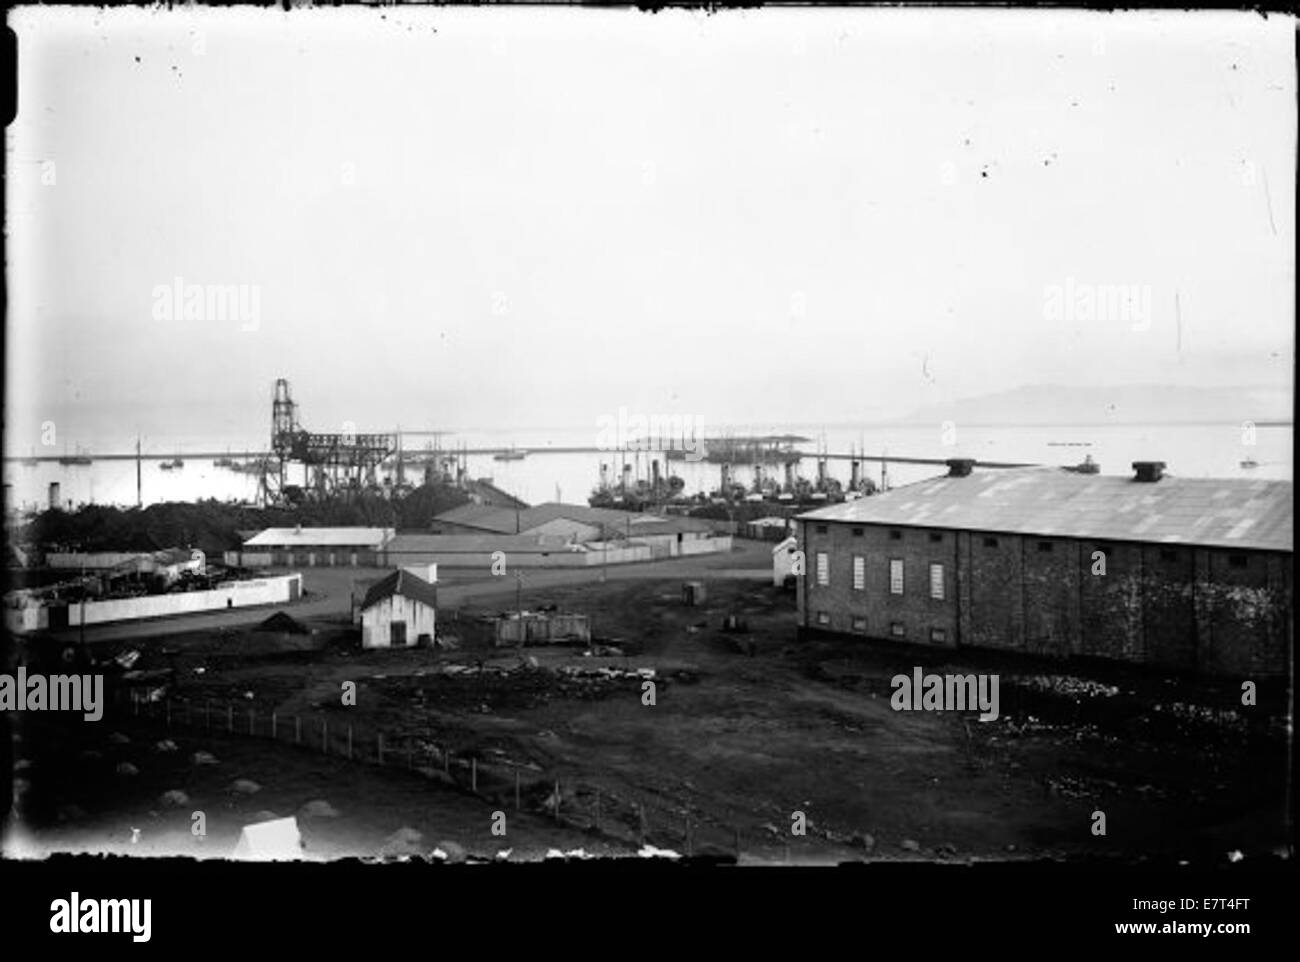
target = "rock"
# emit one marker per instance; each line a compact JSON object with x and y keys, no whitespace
{"x":405,"y":841}
{"x":203,"y":758}
{"x":117,"y":738}
{"x":22,"y":764}
{"x":174,"y":797}
{"x":91,"y":754}
{"x":946,"y":849}
{"x":863,"y":840}
{"x":910,"y":845}
{"x":319,"y":808}
{"x":265,"y":815}
{"x":449,"y":851}
{"x":166,"y":745}
{"x":126,"y":768}
{"x":245,"y":786}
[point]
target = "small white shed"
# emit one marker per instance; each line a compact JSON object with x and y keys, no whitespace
{"x":783,"y":556}
{"x":397,"y":611}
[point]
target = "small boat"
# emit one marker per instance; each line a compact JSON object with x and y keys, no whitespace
{"x":75,"y":459}
{"x":1086,"y":466}
{"x":511,"y":455}
{"x":172,"y":464}
{"x":1249,"y":463}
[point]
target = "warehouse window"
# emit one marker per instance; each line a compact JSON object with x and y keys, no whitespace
{"x":860,"y":624}
{"x":895,"y":535}
{"x":938,"y":636}
{"x":823,"y":568}
{"x":936,"y":582}
{"x":821,"y":529}
{"x":896,"y":576}
{"x":823,"y":618}
{"x":857,"y":532}
{"x":935,"y":537}
{"x":897,"y":630}
{"x":1044,"y":546}
{"x":990,"y":542}
{"x":859,"y":573}
{"x":1237,"y":560}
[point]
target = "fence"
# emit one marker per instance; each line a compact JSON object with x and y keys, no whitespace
{"x":566,"y":797}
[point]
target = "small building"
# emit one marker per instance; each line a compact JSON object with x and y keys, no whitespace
{"x":310,"y":547}
{"x":783,"y":556}
{"x":398,"y":611}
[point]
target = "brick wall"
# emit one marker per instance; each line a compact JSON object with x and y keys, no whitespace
{"x":1211,"y":610}
{"x":879,"y":612}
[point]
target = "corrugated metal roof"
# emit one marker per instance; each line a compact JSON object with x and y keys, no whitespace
{"x":401,"y":583}
{"x":325,"y":537}
{"x":471,"y":543}
{"x":1214,"y":512}
{"x":504,"y":520}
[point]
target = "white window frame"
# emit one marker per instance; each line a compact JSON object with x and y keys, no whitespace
{"x":859,"y":573}
{"x":823,"y":569}
{"x":936,"y":584}
{"x":895,"y":576}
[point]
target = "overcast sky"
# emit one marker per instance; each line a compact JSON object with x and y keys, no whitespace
{"x":487,"y":217}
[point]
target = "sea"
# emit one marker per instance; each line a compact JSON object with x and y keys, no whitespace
{"x":1212,"y":450}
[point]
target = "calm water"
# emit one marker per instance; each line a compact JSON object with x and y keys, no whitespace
{"x":1213,"y":450}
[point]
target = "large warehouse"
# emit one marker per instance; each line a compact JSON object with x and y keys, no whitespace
{"x":1186,"y":573}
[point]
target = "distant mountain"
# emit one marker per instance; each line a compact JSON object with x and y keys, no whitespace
{"x":1124,"y":404}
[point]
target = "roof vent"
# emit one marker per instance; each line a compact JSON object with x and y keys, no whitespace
{"x":1148,"y":471}
{"x":960,"y":467}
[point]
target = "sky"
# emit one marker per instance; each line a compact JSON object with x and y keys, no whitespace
{"x":477,"y":218}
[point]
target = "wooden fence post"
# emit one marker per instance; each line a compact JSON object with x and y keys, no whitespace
{"x":516,"y":788}
{"x":324,"y":737}
{"x":473,"y":774}
{"x":379,"y":747}
{"x":230,"y":718}
{"x":273,"y":725}
{"x":297,"y":729}
{"x":349,"y":743}
{"x":169,"y":713}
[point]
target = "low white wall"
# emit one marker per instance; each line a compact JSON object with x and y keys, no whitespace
{"x":90,"y":560}
{"x":705,"y":545}
{"x":236,"y":594}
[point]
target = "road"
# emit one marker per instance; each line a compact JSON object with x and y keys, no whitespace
{"x":330,"y":591}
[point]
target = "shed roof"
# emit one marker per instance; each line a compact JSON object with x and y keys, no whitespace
{"x":471,"y":543}
{"x":403,"y":583}
{"x":326,"y":537}
{"x":1212,"y":512}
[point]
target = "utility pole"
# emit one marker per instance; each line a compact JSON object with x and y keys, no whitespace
{"x":139,"y":496}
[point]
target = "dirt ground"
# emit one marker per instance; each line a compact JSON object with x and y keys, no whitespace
{"x":747,"y":728}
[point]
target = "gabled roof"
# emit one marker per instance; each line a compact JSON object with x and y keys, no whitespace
{"x":1210,"y":512}
{"x":328,"y":537}
{"x":486,"y":517}
{"x":786,"y":545}
{"x":403,"y":583}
